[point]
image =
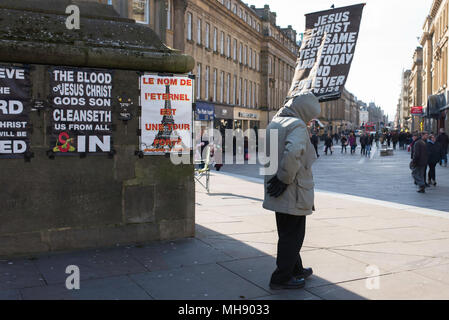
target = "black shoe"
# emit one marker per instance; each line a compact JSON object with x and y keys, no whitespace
{"x":293,"y":283}
{"x":421,"y":190}
{"x":427,"y":185}
{"x":306,"y":272}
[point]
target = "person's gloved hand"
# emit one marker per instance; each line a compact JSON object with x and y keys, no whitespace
{"x":276,"y":187}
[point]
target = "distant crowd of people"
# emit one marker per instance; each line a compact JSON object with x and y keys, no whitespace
{"x":427,"y":150}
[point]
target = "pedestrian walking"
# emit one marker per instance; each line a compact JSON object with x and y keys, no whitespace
{"x":369,"y":145}
{"x":434,"y":155}
{"x":290,"y":192}
{"x":314,"y":141}
{"x":328,"y":143}
{"x":419,"y":162}
{"x":363,"y":142}
{"x":344,"y":143}
{"x":352,"y":142}
{"x":443,"y":140}
{"x":395,"y":139}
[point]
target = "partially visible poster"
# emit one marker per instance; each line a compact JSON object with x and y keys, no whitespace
{"x":327,"y":52}
{"x":166,"y":116}
{"x":15,"y":101}
{"x":81,"y":116}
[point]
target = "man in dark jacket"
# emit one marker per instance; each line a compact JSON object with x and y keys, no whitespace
{"x":328,"y":143}
{"x":314,"y":140}
{"x":363,"y":142}
{"x":443,"y":140}
{"x":434,"y":153}
{"x":420,"y":159}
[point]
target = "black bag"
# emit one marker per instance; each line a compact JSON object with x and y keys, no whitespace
{"x":412,"y":165}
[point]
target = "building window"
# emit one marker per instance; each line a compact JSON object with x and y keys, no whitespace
{"x":189,"y":26}
{"x":222,"y":87}
{"x":206,"y":41}
{"x":198,"y":40}
{"x":222,"y":43}
{"x":141,"y":11}
{"x":234,"y":8}
{"x":206,"y":82}
{"x":110,"y":2}
{"x":269,"y":65}
{"x":215,"y":39}
{"x":198,"y":81}
{"x":228,"y":4}
{"x":235,"y":49}
{"x":228,"y":46}
{"x":245,"y":55}
{"x":250,"y":102}
{"x":228,"y":89}
{"x":245,"y":93}
{"x":240,"y":13}
{"x":258,"y":27}
{"x":240,"y":52}
{"x":235,"y":91}
{"x":240,"y":92}
{"x":215,"y":85}
{"x":250,"y":57}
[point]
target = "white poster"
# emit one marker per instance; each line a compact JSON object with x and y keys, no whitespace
{"x":166,"y":117}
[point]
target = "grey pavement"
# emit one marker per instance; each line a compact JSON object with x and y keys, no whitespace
{"x":382,"y":178}
{"x":359,"y":247}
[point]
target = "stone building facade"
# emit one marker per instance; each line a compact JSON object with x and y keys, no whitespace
{"x":244,"y":61}
{"x":434,"y":42}
{"x":340,"y":115}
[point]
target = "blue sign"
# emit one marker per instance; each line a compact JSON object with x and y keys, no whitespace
{"x":204,"y":112}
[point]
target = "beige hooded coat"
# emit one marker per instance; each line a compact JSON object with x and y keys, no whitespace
{"x":296,"y":155}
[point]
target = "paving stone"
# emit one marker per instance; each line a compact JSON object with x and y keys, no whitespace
{"x":175,"y":254}
{"x":438,"y":273}
{"x":19,"y":273}
{"x":409,"y":234}
{"x":400,"y":286}
{"x":392,"y":262}
{"x":111,"y":288}
{"x":92,"y":264}
{"x":203,"y":282}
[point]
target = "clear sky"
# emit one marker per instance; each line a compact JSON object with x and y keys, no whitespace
{"x":387,"y":40}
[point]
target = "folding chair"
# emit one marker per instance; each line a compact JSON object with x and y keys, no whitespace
{"x":205,"y":171}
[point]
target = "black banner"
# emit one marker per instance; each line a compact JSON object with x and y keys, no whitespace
{"x":81,"y":116}
{"x":15,"y":100}
{"x":327,"y":52}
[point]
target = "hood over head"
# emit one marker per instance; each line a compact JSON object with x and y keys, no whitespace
{"x":304,"y":106}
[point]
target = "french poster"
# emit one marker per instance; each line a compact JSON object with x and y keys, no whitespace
{"x":166,"y":115}
{"x":81,"y":115}
{"x":327,"y":52}
{"x":15,"y":102}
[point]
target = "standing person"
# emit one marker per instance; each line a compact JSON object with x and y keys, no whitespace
{"x":376,"y":138}
{"x":290,"y":191}
{"x":443,"y":140}
{"x":419,"y":162}
{"x":395,"y":139}
{"x":344,"y":143}
{"x":434,"y":152}
{"x":314,"y":141}
{"x":369,"y":145}
{"x":328,"y":143}
{"x":363,"y":142}
{"x":352,"y":142}
{"x":388,"y":139}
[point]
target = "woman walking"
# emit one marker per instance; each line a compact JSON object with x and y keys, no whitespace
{"x":352,"y":142}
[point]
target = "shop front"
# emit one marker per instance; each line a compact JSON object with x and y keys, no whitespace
{"x":204,"y":116}
{"x":246,"y":119}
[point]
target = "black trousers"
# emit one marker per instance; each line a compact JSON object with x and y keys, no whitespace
{"x":291,"y":232}
{"x":431,"y":172}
